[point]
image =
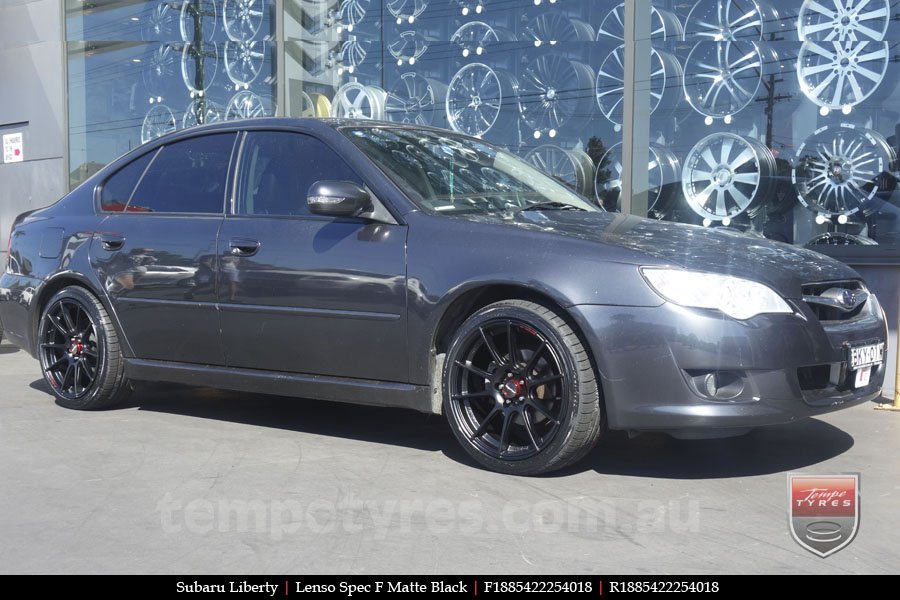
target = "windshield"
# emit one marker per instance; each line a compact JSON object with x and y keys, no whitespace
{"x":446,"y":173}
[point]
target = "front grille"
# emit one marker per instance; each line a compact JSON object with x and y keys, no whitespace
{"x":823,"y":299}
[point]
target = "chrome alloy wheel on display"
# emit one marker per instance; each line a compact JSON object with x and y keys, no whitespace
{"x":358,"y":101}
{"x":242,"y":19}
{"x":839,"y":238}
{"x":408,"y":48}
{"x":722,"y":78}
{"x":411,"y":100}
{"x":159,"y":24}
{"x":198,"y":17}
{"x":663,"y":172}
{"x":665,"y":73}
{"x":572,"y":167}
{"x":840,"y":75}
{"x":352,"y":54}
{"x":473,"y":37}
{"x":248,"y":105}
{"x":726,"y":175}
{"x":406,"y":11}
{"x":160,"y":68}
{"x":244,"y":61}
{"x":664,"y":25}
{"x":201,"y":111}
{"x":158,"y":121}
{"x":199,"y":65}
{"x":352,"y":12}
{"x":844,"y":20}
{"x":839,"y":167}
{"x":552,"y":91}
{"x":475,"y":98}
{"x":553,"y":27}
{"x":728,"y":20}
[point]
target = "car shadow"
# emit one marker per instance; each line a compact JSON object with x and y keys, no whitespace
{"x":8,"y":349}
{"x":763,"y":451}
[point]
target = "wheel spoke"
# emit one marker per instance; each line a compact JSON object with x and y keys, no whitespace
{"x":532,"y":362}
{"x":504,"y":432}
{"x":535,"y":383}
{"x":479,"y":431}
{"x":54,"y":346}
{"x":513,"y":343}
{"x":70,"y":325}
{"x":59,"y":362}
{"x":490,"y":346}
{"x":473,"y":369}
{"x":54,"y":320}
{"x":539,"y":406}
{"x":470,"y":395}
{"x":529,"y":427}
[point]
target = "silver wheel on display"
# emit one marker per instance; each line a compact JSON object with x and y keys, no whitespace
{"x":406,"y":11}
{"x":358,"y":101}
{"x":197,"y":17}
{"x":552,"y":27}
{"x":472,"y":38}
{"x":722,"y":78}
{"x":469,"y":8}
{"x":663,"y":172}
{"x":572,"y":167}
{"x":305,"y":107}
{"x":158,"y":121}
{"x":352,"y":54}
{"x":839,"y":75}
{"x":160,"y":68}
{"x":160,"y":24}
{"x":411,"y":100}
{"x":844,"y":20}
{"x":248,"y":105}
{"x":244,"y":61}
{"x":664,"y":25}
{"x":352,"y":12}
{"x":475,"y":98}
{"x":726,"y":175}
{"x":552,"y":91}
{"x":838,"y":238}
{"x":201,"y":112}
{"x":408,"y":48}
{"x":609,"y":87}
{"x":199,"y":65}
{"x":728,"y":20}
{"x":839,"y":167}
{"x":242,"y":19}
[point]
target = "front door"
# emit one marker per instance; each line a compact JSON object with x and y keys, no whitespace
{"x":303,"y":293}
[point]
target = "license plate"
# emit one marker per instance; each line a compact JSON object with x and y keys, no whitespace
{"x":866,"y":356}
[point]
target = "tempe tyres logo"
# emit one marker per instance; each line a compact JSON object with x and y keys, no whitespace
{"x":823,"y":511}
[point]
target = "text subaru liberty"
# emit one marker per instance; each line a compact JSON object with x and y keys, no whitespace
{"x":405,"y":266}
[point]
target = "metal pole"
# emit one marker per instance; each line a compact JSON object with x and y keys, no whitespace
{"x":896,"y":404}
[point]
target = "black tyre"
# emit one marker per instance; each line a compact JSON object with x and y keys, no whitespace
{"x":79,"y":352}
{"x":520,"y":392}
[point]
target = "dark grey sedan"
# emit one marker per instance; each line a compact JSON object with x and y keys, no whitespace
{"x":412,"y":267}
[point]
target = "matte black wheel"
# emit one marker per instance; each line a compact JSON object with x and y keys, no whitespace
{"x":79,"y":351}
{"x":520,"y":392}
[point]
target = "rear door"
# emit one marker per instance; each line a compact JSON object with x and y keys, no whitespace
{"x":304,"y":293}
{"x":157,"y":251}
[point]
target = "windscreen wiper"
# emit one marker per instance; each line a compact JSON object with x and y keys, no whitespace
{"x":549,"y":205}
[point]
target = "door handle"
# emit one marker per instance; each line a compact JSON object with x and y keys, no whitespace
{"x":112,"y":241}
{"x":243,"y":247}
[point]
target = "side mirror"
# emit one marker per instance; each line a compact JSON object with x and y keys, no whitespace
{"x":338,"y":199}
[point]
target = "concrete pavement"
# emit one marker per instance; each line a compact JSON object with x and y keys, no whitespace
{"x":199,"y":481}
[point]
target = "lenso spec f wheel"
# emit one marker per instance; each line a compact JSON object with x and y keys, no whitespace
{"x":664,"y":25}
{"x":519,"y":389}
{"x":727,"y":20}
{"x":78,"y":349}
{"x":572,"y":167}
{"x":553,"y":90}
{"x":248,"y":105}
{"x":552,"y":27}
{"x":358,"y":101}
{"x":838,"y":169}
{"x":242,"y":19}
{"x":411,"y":100}
{"x":844,"y":20}
{"x":408,"y":47}
{"x":835,"y":75}
{"x":406,"y":10}
{"x":610,"y":84}
{"x":663,"y":172}
{"x":158,"y":121}
{"x":722,"y":78}
{"x":198,"y":18}
{"x":475,"y":98}
{"x":473,"y":37}
{"x":726,"y":175}
{"x":244,"y":61}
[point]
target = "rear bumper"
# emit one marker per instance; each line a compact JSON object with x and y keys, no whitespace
{"x":653,"y":363}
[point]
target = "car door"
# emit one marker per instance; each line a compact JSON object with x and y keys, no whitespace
{"x":156,"y":252}
{"x":304,"y":293}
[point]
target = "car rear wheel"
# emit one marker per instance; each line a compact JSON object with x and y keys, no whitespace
{"x":79,"y":352}
{"x":520,"y":392}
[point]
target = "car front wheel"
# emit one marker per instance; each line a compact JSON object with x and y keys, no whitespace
{"x":520,"y":392}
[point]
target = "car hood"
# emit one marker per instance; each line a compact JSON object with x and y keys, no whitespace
{"x":719,"y":250}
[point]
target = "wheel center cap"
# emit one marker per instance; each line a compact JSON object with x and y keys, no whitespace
{"x":476,"y":101}
{"x":512,"y":388}
{"x":723,"y":177}
{"x":551,"y":94}
{"x":75,"y":348}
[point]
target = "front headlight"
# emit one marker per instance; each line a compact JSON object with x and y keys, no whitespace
{"x":736,"y":297}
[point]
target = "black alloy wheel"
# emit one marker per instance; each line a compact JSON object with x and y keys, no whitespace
{"x":519,"y":389}
{"x":79,"y":351}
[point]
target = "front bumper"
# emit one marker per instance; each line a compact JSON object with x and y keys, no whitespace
{"x":652,"y":362}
